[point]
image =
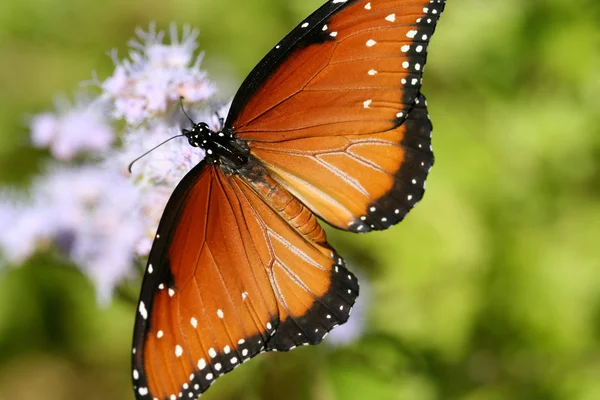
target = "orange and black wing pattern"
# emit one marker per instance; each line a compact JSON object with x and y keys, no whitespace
{"x":232,"y":273}
{"x":331,"y":123}
{"x":336,"y":113}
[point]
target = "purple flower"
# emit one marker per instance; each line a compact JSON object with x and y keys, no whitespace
{"x":72,"y":130}
{"x":93,"y":208}
{"x":25,"y":228}
{"x":156,"y":75}
{"x":105,"y":222}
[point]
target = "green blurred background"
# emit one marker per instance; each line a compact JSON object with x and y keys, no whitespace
{"x":489,"y":290}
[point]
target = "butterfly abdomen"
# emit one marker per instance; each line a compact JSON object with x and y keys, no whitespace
{"x":285,"y":204}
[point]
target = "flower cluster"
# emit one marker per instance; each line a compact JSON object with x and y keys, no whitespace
{"x":155,"y":75}
{"x":95,"y":212}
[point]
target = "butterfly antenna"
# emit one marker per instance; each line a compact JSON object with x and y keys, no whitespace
{"x":183,"y":109}
{"x":151,"y":150}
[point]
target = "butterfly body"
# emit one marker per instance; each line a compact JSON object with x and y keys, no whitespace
{"x":221,"y":147}
{"x":233,"y":157}
{"x":330,"y":124}
{"x":284,"y":203}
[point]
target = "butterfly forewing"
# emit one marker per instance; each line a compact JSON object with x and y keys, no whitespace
{"x":339,"y":111}
{"x":233,"y":277}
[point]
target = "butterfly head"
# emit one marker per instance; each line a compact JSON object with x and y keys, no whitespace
{"x":221,"y":147}
{"x":199,"y":135}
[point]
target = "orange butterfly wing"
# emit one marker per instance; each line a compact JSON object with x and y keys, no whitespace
{"x":232,"y":273}
{"x":339,"y":119}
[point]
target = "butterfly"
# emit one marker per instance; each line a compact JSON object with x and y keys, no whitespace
{"x":331,"y":124}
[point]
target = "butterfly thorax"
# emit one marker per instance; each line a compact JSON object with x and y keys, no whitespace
{"x":221,"y":147}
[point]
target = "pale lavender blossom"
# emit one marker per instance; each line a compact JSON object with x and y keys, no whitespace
{"x":72,"y":129}
{"x":25,"y":228}
{"x":96,"y":209}
{"x":99,"y":208}
{"x":156,"y":75}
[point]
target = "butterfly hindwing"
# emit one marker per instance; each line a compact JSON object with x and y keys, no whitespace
{"x":228,"y":277}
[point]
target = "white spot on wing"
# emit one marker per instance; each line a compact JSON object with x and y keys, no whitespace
{"x":143,"y":311}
